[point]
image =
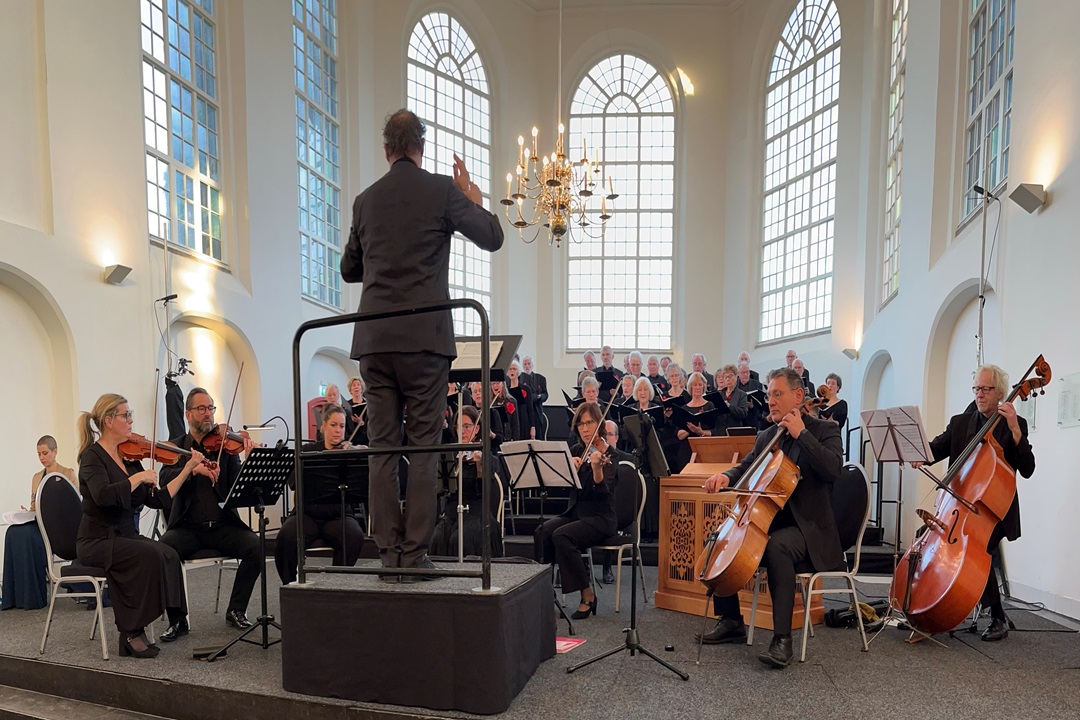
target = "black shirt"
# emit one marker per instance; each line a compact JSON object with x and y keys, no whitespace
{"x":204,"y":508}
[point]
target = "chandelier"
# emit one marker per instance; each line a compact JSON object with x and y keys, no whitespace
{"x":558,"y":189}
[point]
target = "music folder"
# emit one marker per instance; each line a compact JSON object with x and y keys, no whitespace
{"x":716,"y":397}
{"x":608,"y":381}
{"x":684,"y":415}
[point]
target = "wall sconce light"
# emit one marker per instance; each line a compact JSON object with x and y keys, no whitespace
{"x":851,"y":353}
{"x":1029,"y":196}
{"x":115,"y":274}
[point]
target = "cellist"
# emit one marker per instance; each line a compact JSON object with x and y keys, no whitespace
{"x":803,"y":535}
{"x":990,"y":387}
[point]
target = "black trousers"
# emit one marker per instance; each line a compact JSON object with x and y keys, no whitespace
{"x":561,"y":540}
{"x":991,"y":597}
{"x":228,"y":539}
{"x":346,"y":538}
{"x":393,"y":381}
{"x":785,"y":552}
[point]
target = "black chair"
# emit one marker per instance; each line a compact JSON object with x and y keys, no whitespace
{"x":59,"y":512}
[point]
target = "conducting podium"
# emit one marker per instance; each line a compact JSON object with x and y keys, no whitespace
{"x":688,"y":514}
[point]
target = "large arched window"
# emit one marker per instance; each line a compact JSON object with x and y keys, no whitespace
{"x":448,"y":89}
{"x":801,"y":109}
{"x":890,"y":271}
{"x":619,"y":285}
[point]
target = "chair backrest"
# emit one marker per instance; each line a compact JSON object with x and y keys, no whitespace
{"x":629,"y":496}
{"x":851,"y":507}
{"x":495,"y":498}
{"x":59,"y":512}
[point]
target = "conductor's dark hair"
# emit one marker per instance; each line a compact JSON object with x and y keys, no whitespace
{"x":794,"y":379}
{"x":403,"y":133}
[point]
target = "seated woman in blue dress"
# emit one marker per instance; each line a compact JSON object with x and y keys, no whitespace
{"x":145,"y":579}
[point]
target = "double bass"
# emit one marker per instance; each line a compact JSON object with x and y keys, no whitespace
{"x":942,"y":575}
{"x":733,"y":551}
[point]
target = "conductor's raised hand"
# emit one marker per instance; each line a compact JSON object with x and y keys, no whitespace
{"x":464,"y":182}
{"x":716,"y":482}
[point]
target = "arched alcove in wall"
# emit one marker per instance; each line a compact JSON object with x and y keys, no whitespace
{"x":39,"y":374}
{"x":880,"y":391}
{"x":216,"y":348}
{"x":328,"y":365}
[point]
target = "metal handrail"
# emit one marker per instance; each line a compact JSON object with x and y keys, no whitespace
{"x":484,"y":445}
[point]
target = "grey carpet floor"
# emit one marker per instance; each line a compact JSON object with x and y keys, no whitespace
{"x":1031,"y":674}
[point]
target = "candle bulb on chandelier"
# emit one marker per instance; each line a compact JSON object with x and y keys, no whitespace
{"x":509,"y":179}
{"x":534,"y":134}
{"x":610,"y":187}
{"x":521,"y":148}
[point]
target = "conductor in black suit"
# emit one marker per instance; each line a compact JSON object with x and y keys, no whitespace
{"x":399,"y":248}
{"x":803,"y":535}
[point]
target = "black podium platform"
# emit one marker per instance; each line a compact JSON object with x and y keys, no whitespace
{"x":433,"y":644}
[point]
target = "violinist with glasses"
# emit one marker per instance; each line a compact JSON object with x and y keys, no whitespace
{"x":197,"y":520}
{"x":321,"y":521}
{"x":591,"y":518}
{"x":145,"y":578}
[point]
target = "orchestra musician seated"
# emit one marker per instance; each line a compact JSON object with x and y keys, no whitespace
{"x":591,"y":518}
{"x":145,"y":579}
{"x":321,"y":521}
{"x":803,"y":535}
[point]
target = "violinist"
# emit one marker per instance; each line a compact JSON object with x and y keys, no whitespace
{"x":494,"y":424}
{"x":321,"y":521}
{"x":591,"y":518}
{"x":197,"y":520}
{"x":333,"y":397}
{"x":990,"y":388}
{"x":145,"y":579}
{"x":803,"y":536}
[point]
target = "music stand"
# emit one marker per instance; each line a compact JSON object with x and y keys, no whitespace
{"x":331,"y":478}
{"x":539,"y":464}
{"x":647,"y":444}
{"x":261,"y":482}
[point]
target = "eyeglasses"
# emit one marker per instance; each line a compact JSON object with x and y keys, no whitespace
{"x":984,"y":389}
{"x":202,"y":409}
{"x":586,"y":423}
{"x":125,"y":416}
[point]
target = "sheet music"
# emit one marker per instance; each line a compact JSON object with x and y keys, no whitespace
{"x":897,"y":435}
{"x":468,"y":354}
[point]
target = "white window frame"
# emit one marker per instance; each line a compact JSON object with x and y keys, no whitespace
{"x":894,"y":164}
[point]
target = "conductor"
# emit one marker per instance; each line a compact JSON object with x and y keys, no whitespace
{"x":399,"y":248}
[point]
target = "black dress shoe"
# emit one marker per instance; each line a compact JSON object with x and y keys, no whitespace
{"x":727,"y":630}
{"x":425,"y":563}
{"x":609,"y":577}
{"x":779,"y":653}
{"x":178,"y":628}
{"x":238,"y":619}
{"x":126,"y":649}
{"x":998,"y":630}
{"x":580,"y":614}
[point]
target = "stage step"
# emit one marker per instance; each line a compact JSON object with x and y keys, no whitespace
{"x":16,"y":703}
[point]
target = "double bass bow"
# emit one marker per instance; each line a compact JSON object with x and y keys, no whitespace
{"x":942,"y":575}
{"x":733,"y":550}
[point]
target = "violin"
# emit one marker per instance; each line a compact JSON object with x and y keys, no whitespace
{"x":233,"y":441}
{"x":138,"y":447}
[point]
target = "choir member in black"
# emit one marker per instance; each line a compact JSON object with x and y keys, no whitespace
{"x":445,"y":542}
{"x":525,"y":406}
{"x":607,"y":358}
{"x":644,"y":400}
{"x":698,"y":362}
{"x":633,"y":364}
{"x":990,"y":388}
{"x":197,"y":521}
{"x":145,"y":579}
{"x":322,"y":521}
{"x":495,"y":424}
{"x":737,"y":402}
{"x":791,"y":357}
{"x":803,"y":535}
{"x":655,"y":377}
{"x":665,"y":361}
{"x":697,"y":404}
{"x":503,"y":402}
{"x":797,"y":366}
{"x":590,"y":365}
{"x":357,"y":412}
{"x":591,"y":519}
{"x":836,"y":409}
{"x":626,"y":364}
{"x":747,"y":383}
{"x":676,"y":379}
{"x":744,"y":357}
{"x":540,"y":394}
{"x":590,"y":390}
{"x":626,"y":390}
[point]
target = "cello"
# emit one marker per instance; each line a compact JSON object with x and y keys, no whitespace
{"x":942,"y":575}
{"x":733,"y":551}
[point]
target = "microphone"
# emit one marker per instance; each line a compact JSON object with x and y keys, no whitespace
{"x":167,"y":298}
{"x":980,"y":190}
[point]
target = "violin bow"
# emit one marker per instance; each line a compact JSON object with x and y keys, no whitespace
{"x":228,"y":419}
{"x":153,"y":435}
{"x":603,"y":419}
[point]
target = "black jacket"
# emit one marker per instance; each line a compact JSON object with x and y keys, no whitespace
{"x":594,"y":504}
{"x":399,"y":248}
{"x":961,"y":428}
{"x":108,"y":502}
{"x":185,"y":496}
{"x":818,"y":453}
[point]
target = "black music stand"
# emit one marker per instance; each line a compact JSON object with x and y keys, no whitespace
{"x":331,"y":478}
{"x":261,"y":482}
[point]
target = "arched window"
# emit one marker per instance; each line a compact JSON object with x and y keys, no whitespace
{"x":619,"y":285}
{"x":801,"y":109}
{"x":448,"y":88}
{"x":181,"y":124}
{"x":890,"y":276}
{"x":318,"y":148}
